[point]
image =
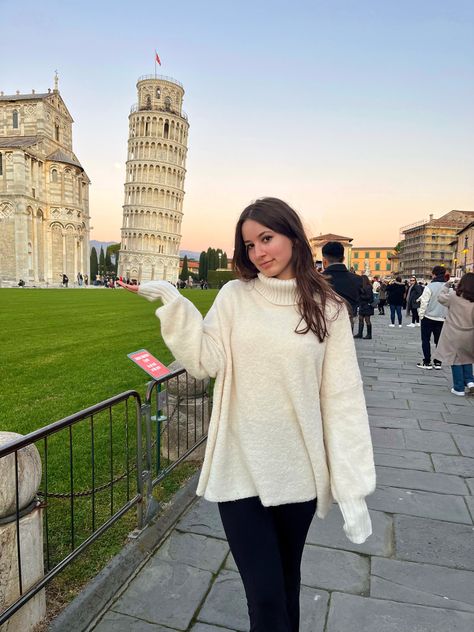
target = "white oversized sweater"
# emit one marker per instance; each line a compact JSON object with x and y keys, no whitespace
{"x":289,"y":421}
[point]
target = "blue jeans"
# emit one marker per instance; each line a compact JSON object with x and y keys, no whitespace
{"x":398,"y":310}
{"x":462,"y":376}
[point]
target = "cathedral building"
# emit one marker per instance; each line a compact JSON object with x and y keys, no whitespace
{"x":44,"y":192}
{"x":154,"y":186}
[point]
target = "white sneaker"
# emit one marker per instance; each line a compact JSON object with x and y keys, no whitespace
{"x":418,"y":325}
{"x":391,"y":325}
{"x":458,"y":393}
{"x":470,"y":386}
{"x":399,"y":325}
{"x":411,"y":325}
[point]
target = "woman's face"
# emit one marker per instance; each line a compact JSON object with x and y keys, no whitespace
{"x":270,"y":252}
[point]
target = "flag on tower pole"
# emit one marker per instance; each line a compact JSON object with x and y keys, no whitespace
{"x":157,"y":59}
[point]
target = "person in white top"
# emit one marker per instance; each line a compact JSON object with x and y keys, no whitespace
{"x":289,"y":429}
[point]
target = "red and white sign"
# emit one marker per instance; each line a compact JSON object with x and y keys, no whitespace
{"x":149,"y":363}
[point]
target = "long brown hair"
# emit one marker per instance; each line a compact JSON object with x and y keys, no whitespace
{"x":465,"y":287}
{"x":281,"y":218}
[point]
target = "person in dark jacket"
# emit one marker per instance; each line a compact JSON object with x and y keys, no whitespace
{"x":395,"y":296}
{"x":345,"y":283}
{"x":366,"y":308}
{"x":415,"y":290}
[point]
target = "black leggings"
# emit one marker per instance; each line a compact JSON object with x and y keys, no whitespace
{"x":267,"y":545}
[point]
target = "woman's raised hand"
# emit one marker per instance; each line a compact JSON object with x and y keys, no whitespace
{"x":128,"y":286}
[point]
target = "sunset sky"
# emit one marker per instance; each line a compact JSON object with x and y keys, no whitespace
{"x":359,"y":113}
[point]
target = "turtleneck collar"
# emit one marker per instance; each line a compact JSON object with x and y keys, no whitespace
{"x":276,"y":291}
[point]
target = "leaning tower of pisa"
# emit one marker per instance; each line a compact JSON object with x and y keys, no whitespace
{"x":154,"y":184}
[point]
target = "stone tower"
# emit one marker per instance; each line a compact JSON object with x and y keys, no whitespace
{"x":44,"y":192}
{"x":154,"y":185}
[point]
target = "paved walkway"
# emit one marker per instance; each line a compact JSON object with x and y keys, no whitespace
{"x":415,"y":574}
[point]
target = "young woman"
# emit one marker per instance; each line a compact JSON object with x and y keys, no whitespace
{"x":366,"y":309}
{"x":456,"y":343}
{"x":289,"y":428}
{"x":415,"y":290}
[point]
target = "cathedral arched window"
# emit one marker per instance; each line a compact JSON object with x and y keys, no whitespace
{"x":158,"y":93}
{"x":148,"y":102}
{"x":167,"y":103}
{"x":15,"y":119}
{"x":166,"y":130}
{"x":56,"y":132}
{"x":54,"y":175}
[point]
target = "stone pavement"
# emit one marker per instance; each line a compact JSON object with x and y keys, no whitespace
{"x":414,"y":574}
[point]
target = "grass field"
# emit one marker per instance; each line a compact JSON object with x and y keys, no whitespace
{"x":61,"y":351}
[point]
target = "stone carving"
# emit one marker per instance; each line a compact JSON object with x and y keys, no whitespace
{"x":6,"y":210}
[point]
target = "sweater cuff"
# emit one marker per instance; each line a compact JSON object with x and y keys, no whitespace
{"x":357,"y":523}
{"x":153,"y":290}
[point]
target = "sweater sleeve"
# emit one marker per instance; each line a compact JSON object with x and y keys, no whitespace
{"x":346,"y":430}
{"x":195,"y":342}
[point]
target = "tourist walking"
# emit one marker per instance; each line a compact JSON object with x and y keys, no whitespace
{"x":415,"y":290}
{"x":456,"y":342}
{"x":65,"y":279}
{"x":289,"y":428}
{"x":347,"y":284}
{"x":432,"y":314}
{"x":366,"y":308}
{"x":395,"y":298}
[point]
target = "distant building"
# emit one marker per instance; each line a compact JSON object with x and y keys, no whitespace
{"x":394,"y":263}
{"x":193,"y":266}
{"x":154,"y":185}
{"x":373,"y":260}
{"x":429,"y":242}
{"x":44,"y":192}
{"x":463,"y":251}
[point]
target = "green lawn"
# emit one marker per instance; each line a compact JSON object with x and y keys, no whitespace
{"x":62,"y":351}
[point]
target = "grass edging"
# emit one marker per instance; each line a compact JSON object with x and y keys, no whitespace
{"x":92,"y":602}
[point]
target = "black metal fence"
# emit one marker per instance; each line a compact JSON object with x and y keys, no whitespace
{"x":102,"y":462}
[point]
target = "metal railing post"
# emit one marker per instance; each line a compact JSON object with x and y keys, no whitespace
{"x":151,"y":505}
{"x":140,"y":481}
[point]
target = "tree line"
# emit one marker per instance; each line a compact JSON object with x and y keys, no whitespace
{"x":102,"y":264}
{"x":211,"y":260}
